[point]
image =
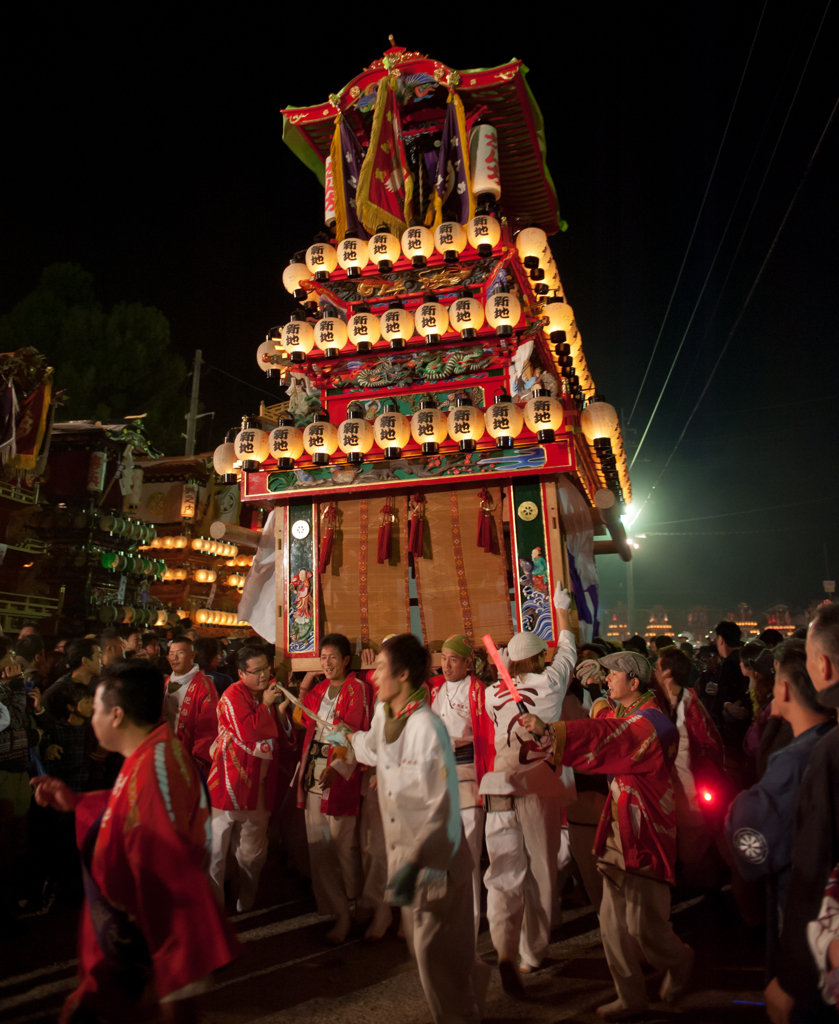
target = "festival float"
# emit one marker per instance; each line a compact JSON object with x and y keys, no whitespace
{"x":438,"y":447}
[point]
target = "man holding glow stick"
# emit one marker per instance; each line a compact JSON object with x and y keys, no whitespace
{"x":524,"y":797}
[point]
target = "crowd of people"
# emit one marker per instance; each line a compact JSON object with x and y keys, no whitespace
{"x":621,"y":769}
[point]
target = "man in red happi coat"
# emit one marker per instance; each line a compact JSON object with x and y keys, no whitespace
{"x":329,"y":780}
{"x":635,"y":845}
{"x":243,"y":779}
{"x":191,"y":701}
{"x":150,"y":929}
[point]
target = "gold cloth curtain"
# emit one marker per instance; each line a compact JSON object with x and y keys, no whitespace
{"x":359,"y":597}
{"x":461,"y":588}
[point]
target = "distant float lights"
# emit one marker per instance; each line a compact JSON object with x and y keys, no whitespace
{"x":286,"y":443}
{"x":294,"y":276}
{"x":397,"y":325}
{"x":251,"y":446}
{"x":503,"y":312}
{"x":298,"y":338}
{"x":417,"y":245}
{"x":466,"y":424}
{"x":504,"y":421}
{"x":450,"y":240}
{"x":543,"y":415}
{"x":428,"y":427}
{"x":355,"y":436}
{"x":384,"y":250}
{"x":392,"y":431}
{"x":363,"y":329}
{"x":466,"y":315}
{"x":353,"y":255}
{"x":320,"y":439}
{"x":330,"y":335}
{"x":432,"y":319}
{"x":225,"y":459}
{"x":483,"y":233}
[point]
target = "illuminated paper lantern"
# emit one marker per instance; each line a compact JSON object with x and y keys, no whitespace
{"x":320,"y":439}
{"x":450,"y":240}
{"x":543,"y":415}
{"x":483,"y":233}
{"x":466,"y":424}
{"x":294,"y":276}
{"x":363,"y":329}
{"x":251,"y":446}
{"x":321,"y":259}
{"x":428,"y":427}
{"x":384,"y":250}
{"x":417,"y":245}
{"x":530,"y":243}
{"x":466,"y":315}
{"x":353,"y":255}
{"x":267,"y":358}
{"x":392,"y":431}
{"x":355,"y":436}
{"x":330,"y":335}
{"x":431,"y":319}
{"x":483,"y":159}
{"x":599,"y":421}
{"x":298,"y":338}
{"x":397,"y":325}
{"x":285,"y":443}
{"x":503,"y":312}
{"x":504,"y":421}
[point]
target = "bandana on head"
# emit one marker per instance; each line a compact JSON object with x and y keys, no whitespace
{"x":460,"y":645}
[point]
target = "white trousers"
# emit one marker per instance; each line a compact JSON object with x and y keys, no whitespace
{"x":442,"y":941}
{"x":635,"y":922}
{"x":251,"y":829}
{"x":334,"y":858}
{"x":523,"y":845}
{"x":373,"y":852}
{"x":473,"y":830}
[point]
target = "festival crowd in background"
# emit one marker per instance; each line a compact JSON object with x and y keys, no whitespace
{"x":611,"y":771}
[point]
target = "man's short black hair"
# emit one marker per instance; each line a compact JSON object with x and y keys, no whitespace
{"x":770,"y":637}
{"x":406,"y":653}
{"x":70,"y":696}
{"x":77,"y":650}
{"x":677,"y":663}
{"x":636,"y":643}
{"x":181,"y":639}
{"x":29,"y":647}
{"x":660,"y":642}
{"x":246,"y":654}
{"x":730,"y":632}
{"x":825,"y":629}
{"x":126,"y":632}
{"x":206,"y":648}
{"x":339,"y":642}
{"x":136,"y":686}
{"x":149,"y":638}
{"x":791,"y":665}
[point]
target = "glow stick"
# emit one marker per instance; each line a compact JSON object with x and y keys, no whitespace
{"x":503,"y":671}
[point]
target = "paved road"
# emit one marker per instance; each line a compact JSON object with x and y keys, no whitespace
{"x":287,"y":974}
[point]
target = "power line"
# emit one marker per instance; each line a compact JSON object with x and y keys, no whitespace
{"x":754,"y":284}
{"x":239,"y":380}
{"x":699,"y":214}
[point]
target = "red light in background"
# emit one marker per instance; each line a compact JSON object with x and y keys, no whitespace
{"x":707,"y":796}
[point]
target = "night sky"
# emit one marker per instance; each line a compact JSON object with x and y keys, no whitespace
{"x":149,"y":151}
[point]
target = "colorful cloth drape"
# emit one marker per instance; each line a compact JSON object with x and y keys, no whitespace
{"x":346,"y":159}
{"x":31,"y":426}
{"x":385,"y":186}
{"x":453,"y":184}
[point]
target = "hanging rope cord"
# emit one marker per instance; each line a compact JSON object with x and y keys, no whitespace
{"x":736,"y":251}
{"x":698,"y":216}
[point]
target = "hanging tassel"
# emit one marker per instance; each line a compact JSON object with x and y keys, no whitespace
{"x":328,"y":518}
{"x":485,"y":522}
{"x":416,"y":513}
{"x":385,"y":544}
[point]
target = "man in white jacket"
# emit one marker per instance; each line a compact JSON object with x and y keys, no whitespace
{"x":429,"y":864}
{"x":524,"y":793}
